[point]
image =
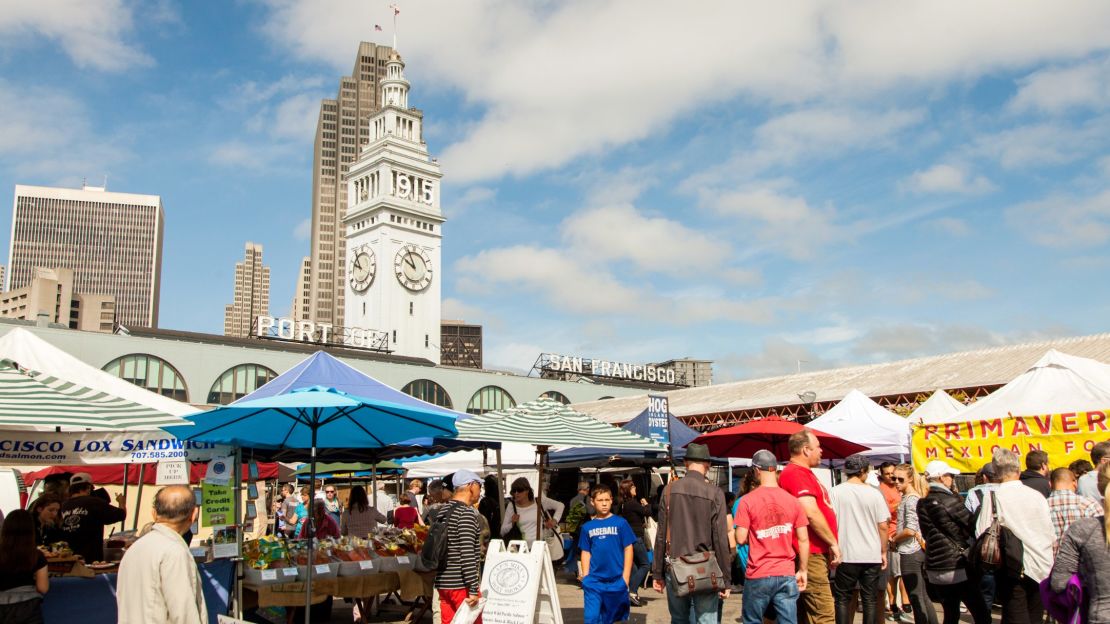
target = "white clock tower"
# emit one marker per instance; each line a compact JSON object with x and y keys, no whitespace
{"x":393,"y":227}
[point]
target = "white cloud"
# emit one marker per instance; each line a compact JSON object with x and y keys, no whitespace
{"x":1042,"y":144}
{"x":778,"y":356}
{"x":828,"y":132}
{"x":948,"y":178}
{"x":785,"y":224}
{"x":1064,"y":221}
{"x":458,"y":310}
{"x":1060,"y":89}
{"x":91,"y":33}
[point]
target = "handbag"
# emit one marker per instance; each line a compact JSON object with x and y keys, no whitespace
{"x":552,"y":539}
{"x":696,"y":573}
{"x":651,"y":529}
{"x":467,"y":614}
{"x":998,"y":550}
{"x":514,"y":532}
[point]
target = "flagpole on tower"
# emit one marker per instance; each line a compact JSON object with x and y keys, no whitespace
{"x":396,"y":12}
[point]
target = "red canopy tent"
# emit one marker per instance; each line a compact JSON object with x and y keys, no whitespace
{"x":770,"y":433}
{"x":112,"y":474}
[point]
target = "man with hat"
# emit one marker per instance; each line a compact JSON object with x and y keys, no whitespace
{"x":84,"y":516}
{"x":770,"y":519}
{"x":692,"y":518}
{"x":863,"y":520}
{"x":458,"y":580}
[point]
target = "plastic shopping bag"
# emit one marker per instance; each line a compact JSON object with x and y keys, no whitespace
{"x":467,"y":614}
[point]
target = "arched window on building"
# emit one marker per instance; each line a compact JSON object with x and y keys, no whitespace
{"x":430,"y":391}
{"x":556,"y":396}
{"x":150,"y":372}
{"x":239,"y":381}
{"x":489,"y":399}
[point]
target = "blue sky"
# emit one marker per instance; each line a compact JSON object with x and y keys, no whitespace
{"x":767,"y":185}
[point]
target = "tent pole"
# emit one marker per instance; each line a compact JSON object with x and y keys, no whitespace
{"x":311,"y":532}
{"x":123,"y":523}
{"x":374,"y":482}
{"x":139,"y":499}
{"x":238,"y":589}
{"x":542,"y":449}
{"x":500,"y":490}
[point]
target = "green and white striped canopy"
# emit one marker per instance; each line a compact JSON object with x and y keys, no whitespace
{"x":548,"y":422}
{"x":31,"y":400}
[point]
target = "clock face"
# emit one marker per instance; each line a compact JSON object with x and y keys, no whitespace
{"x":363,"y":268}
{"x":413,"y":268}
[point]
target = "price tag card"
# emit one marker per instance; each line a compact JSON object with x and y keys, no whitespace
{"x":269,"y":575}
{"x":365,"y":564}
{"x":289,"y":571}
{"x":322,"y":568}
{"x":403,"y":560}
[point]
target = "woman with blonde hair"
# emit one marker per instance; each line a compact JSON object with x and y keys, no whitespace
{"x":1085,"y":550}
{"x":910,"y":543}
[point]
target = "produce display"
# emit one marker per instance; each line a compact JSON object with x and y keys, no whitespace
{"x":57,"y":550}
{"x":268,"y":553}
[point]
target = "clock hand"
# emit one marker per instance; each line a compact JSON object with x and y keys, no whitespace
{"x":409,"y":261}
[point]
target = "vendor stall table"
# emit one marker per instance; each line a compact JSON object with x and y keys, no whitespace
{"x":93,"y":600}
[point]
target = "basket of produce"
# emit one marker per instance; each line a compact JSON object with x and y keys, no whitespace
{"x":59,"y":558}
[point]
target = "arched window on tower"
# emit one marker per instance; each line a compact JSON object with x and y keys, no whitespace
{"x":150,"y":372}
{"x":489,"y":399}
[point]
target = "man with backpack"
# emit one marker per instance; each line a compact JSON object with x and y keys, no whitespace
{"x":453,"y":547}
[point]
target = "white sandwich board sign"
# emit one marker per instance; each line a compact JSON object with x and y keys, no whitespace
{"x":518,"y":585}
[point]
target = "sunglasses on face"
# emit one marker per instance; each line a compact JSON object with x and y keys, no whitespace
{"x":898,"y":479}
{"x":329,"y":491}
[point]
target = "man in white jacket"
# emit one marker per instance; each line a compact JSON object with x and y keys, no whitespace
{"x":1024,"y":511}
{"x":158,"y":579}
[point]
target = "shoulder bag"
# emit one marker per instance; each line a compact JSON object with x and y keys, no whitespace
{"x":514,"y":532}
{"x":998,"y":550}
{"x":696,"y":573}
{"x":552,"y":539}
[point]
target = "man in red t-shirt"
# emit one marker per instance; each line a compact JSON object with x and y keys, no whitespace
{"x":815,"y":603}
{"x":770,"y":520}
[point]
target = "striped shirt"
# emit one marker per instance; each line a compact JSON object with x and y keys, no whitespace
{"x":1065,"y":507}
{"x":360,"y":523}
{"x":463,"y":549}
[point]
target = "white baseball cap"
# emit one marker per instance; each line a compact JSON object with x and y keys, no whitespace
{"x":937,"y":468}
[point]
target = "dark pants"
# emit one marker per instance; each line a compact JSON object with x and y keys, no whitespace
{"x":640,"y":567}
{"x":1021,"y":600}
{"x":867,"y":576}
{"x":968,"y":593}
{"x":914,"y":578}
{"x":26,"y":612}
{"x":986,"y":585}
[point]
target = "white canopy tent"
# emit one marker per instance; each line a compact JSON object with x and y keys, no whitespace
{"x":859,"y":419}
{"x":1057,"y":383}
{"x":937,"y":408}
{"x":514,"y":455}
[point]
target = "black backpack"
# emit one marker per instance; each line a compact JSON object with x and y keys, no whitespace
{"x":433,"y":555}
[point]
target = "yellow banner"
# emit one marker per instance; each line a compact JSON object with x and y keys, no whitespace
{"x":966,"y":446}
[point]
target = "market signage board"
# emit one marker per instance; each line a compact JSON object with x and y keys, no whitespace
{"x":217,"y":505}
{"x":967,"y":446}
{"x":658,"y":415}
{"x":69,"y":448}
{"x":605,"y":368}
{"x":518,"y":584}
{"x":173,"y":472}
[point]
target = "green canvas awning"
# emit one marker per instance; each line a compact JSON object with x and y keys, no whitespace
{"x":550,"y":423}
{"x":41,"y":402}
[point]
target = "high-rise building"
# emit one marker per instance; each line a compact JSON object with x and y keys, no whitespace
{"x":302,"y":294}
{"x":460,"y":344}
{"x":690,"y":372}
{"x":111,"y":241}
{"x":341,"y":131}
{"x":50,"y":298}
{"x":252,"y":294}
{"x":394,"y":227}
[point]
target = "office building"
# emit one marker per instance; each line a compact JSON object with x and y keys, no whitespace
{"x":302,"y":294}
{"x":690,"y":372}
{"x":111,"y":241}
{"x":460,"y":344}
{"x":341,"y":131}
{"x":50,"y":298}
{"x":251,"y":294}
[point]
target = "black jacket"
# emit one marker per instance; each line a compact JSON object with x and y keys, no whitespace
{"x":1037,"y":481}
{"x":946,"y":526}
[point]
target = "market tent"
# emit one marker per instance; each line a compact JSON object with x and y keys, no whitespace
{"x":113,"y":474}
{"x":859,"y":419}
{"x":34,"y":353}
{"x":937,"y":408}
{"x":681,"y":435}
{"x":772,"y":434}
{"x":1057,"y":383}
{"x":41,"y":402}
{"x":331,"y":470}
{"x":514,"y":456}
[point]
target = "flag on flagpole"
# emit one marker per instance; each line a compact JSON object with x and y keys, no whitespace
{"x":377,"y":28}
{"x":396,"y":11}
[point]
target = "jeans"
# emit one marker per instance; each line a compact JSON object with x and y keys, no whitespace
{"x":693,"y":609}
{"x":1021,"y":599}
{"x":914,"y":578}
{"x":640,"y":567}
{"x":867,"y":576}
{"x":780,"y":591}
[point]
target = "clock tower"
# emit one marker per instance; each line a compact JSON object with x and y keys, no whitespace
{"x":393,"y":227}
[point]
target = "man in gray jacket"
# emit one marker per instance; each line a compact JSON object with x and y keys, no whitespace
{"x":692,"y":518}
{"x":158,"y":579}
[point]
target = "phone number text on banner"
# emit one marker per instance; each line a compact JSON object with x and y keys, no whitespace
{"x":966,"y":446}
{"x":100,"y":447}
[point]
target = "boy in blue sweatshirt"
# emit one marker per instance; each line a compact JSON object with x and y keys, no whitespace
{"x":605,"y":563}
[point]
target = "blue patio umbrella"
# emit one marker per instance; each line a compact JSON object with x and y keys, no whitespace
{"x":312,"y":418}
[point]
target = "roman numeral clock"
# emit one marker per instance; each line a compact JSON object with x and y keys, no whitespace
{"x":394,"y":221}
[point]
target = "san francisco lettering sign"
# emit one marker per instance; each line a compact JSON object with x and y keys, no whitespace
{"x":605,"y":368}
